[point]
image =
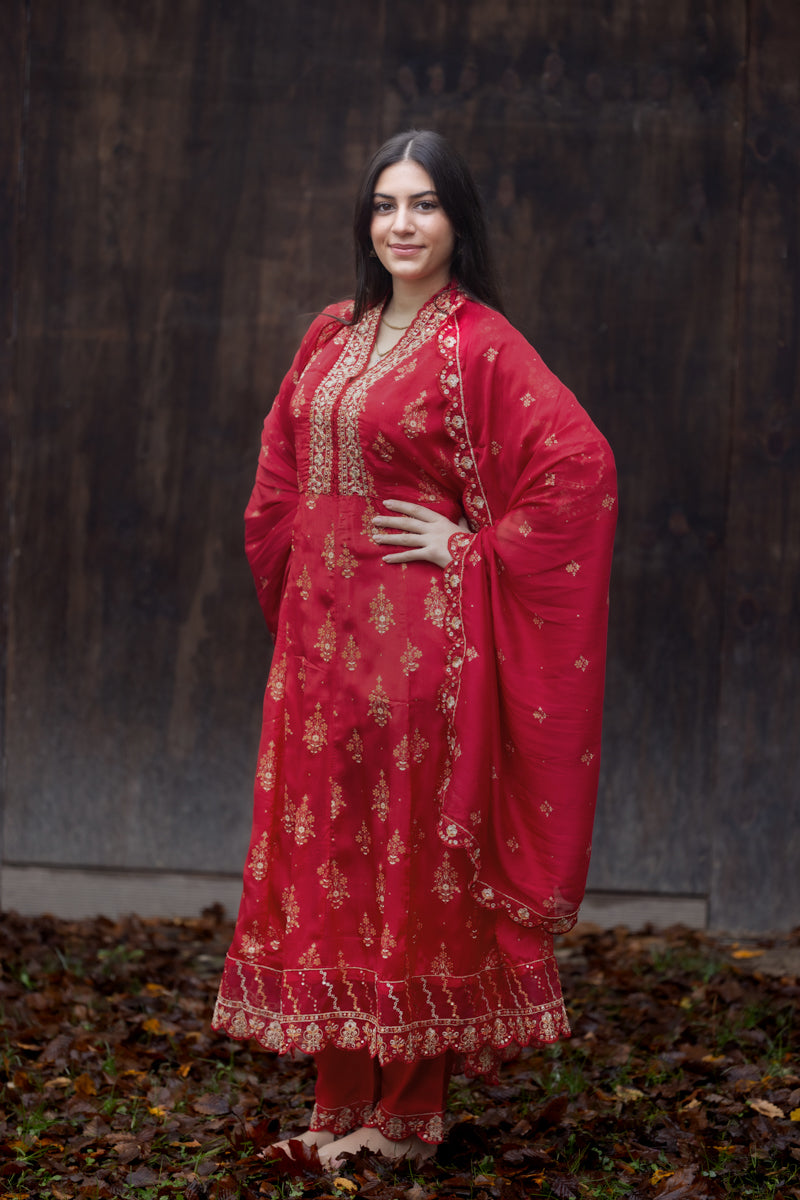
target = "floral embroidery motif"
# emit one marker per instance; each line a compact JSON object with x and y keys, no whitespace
{"x":364,"y":838}
{"x":395,"y":849}
{"x":428,"y":489}
{"x":252,"y":944}
{"x":380,"y":798}
{"x":276,"y":683}
{"x":414,"y":415}
{"x":383,"y":448}
{"x":388,"y":943}
{"x":298,"y":400}
{"x":525,"y":529}
{"x":351,"y":654}
{"x":310,"y":959}
{"x":356,"y":746}
{"x":512,"y":844}
{"x":545,"y":808}
{"x":445,"y":881}
{"x":527,"y":400}
{"x":329,"y":550}
{"x":581,"y":663}
{"x":550,"y":441}
{"x":404,"y":752}
{"x":491,"y":354}
{"x":381,"y":611}
{"x":573,"y":568}
{"x":442,"y":963}
{"x":587,"y":757}
{"x":540,"y":715}
{"x":326,"y":639}
{"x":334,"y":881}
{"x":549,"y":479}
{"x":291,"y":909}
{"x":260,"y":858}
{"x":609,"y":501}
{"x":303,"y":823}
{"x":435,"y":604}
{"x":379,"y":707}
{"x":304,"y":583}
{"x":316,"y":734}
{"x":337,"y":799}
{"x":266,"y":768}
{"x":347,"y":563}
{"x":380,"y":889}
{"x":367,"y":931}
{"x":408,"y":368}
{"x":496,"y":448}
{"x":409,"y":659}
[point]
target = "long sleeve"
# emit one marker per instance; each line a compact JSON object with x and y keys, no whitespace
{"x":271,"y":509}
{"x":528,"y":596}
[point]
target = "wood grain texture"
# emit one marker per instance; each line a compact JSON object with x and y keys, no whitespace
{"x":757,"y":817}
{"x":13,"y":59}
{"x":608,"y":144}
{"x":189,"y":171}
{"x":168,"y":274}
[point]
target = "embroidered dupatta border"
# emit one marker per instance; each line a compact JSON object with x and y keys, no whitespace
{"x":476,"y":505}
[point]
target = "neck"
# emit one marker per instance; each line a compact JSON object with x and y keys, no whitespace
{"x":408,"y":297}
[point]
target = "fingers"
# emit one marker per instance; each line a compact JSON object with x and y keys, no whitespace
{"x":407,"y":524}
{"x":423,"y":554}
{"x":417,"y":511}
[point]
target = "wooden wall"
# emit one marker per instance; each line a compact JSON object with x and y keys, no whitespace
{"x":175,"y":201}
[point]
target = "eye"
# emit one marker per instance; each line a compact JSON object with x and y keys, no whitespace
{"x":381,"y":206}
{"x":427,"y":205}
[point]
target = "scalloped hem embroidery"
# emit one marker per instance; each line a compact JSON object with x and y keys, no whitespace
{"x":455,"y":835}
{"x":428,"y":1127}
{"x":342,"y":1121}
{"x":481,"y":1050}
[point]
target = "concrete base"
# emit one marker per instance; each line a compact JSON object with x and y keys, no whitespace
{"x":76,"y":892}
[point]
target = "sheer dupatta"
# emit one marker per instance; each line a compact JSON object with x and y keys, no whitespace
{"x":527,"y":617}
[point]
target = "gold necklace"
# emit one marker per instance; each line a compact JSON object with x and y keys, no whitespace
{"x":398,"y":327}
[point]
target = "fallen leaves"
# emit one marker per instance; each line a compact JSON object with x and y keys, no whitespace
{"x":681,"y":1081}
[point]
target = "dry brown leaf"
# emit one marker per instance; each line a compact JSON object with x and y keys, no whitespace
{"x":765,"y":1108}
{"x":84,"y":1085}
{"x":212,"y":1104}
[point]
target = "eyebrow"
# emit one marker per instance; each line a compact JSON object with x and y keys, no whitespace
{"x":415,"y":196}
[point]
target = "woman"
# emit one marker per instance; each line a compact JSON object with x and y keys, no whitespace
{"x":430,"y":534}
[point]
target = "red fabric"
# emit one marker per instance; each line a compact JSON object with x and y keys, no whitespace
{"x":400,"y":1099}
{"x":430,"y":745}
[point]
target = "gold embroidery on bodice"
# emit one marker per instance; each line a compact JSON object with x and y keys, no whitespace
{"x":340,"y":398}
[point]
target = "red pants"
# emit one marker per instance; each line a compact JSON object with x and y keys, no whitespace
{"x":399,"y":1099}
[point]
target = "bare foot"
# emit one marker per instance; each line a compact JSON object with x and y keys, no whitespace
{"x":311,"y":1137}
{"x":372,"y":1139}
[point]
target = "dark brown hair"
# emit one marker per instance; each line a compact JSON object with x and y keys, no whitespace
{"x":472,"y":265}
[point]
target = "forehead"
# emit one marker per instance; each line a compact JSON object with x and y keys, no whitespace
{"x":406,"y":178}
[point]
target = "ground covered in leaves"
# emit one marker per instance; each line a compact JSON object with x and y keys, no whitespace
{"x":682,"y":1079}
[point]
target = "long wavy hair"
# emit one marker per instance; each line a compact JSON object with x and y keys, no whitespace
{"x":472,"y":265}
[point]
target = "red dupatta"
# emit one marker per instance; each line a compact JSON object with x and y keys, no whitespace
{"x":527,"y":618}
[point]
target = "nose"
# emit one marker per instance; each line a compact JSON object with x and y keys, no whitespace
{"x":402,"y":219}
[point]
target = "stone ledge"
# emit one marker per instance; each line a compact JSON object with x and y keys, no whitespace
{"x":77,"y":892}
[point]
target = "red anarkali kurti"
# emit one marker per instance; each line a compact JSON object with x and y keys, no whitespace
{"x":428,"y":765}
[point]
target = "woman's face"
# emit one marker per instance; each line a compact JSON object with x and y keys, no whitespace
{"x":410,"y":230}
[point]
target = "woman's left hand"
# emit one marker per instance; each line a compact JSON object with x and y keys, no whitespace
{"x":424,"y":531}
